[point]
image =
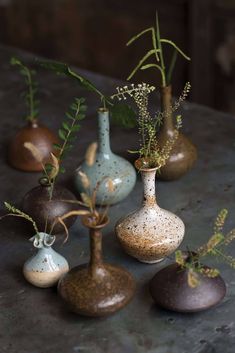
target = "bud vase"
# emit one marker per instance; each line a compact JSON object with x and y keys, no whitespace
{"x":96,"y":289}
{"x":184,"y":153}
{"x":150,"y":233}
{"x":107,"y":166}
{"x":46,"y":267}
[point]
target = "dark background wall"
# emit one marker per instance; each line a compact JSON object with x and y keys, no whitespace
{"x":92,"y":34}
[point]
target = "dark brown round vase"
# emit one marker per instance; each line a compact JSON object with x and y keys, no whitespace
{"x":183,"y":154}
{"x":44,"y":211}
{"x":41,"y":137}
{"x":170,"y":290}
{"x":96,"y":289}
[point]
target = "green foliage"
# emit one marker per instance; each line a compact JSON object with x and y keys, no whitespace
{"x":122,"y":115}
{"x":29,"y":95}
{"x":214,"y":247}
{"x":157,"y":52}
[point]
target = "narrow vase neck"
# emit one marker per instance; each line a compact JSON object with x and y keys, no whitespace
{"x":103,"y":134}
{"x":96,"y":258}
{"x":166,"y":106}
{"x":148,"y":178}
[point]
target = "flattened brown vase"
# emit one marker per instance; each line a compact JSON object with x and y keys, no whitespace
{"x":183,"y":154}
{"x":41,"y":137}
{"x":96,"y":289}
{"x":45,"y":209}
{"x":170,"y":289}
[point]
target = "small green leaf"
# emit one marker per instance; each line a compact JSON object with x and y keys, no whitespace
{"x":123,"y":115}
{"x":62,"y":134}
{"x":81,"y":116}
{"x":76,"y":128}
{"x":65,"y":126}
{"x":69,"y":116}
{"x":56,"y":146}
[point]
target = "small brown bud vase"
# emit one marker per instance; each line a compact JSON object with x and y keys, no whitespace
{"x":170,"y":289}
{"x":96,"y":289}
{"x":41,"y":137}
{"x":184,"y":153}
{"x":44,"y":210}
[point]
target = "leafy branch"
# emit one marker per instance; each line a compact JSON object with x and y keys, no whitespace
{"x":31,"y":102}
{"x":157,"y":52}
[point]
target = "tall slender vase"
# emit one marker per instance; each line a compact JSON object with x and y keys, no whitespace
{"x":107,"y":166}
{"x":98,"y":288}
{"x":45,"y":268}
{"x":184,"y":153}
{"x":150,"y":233}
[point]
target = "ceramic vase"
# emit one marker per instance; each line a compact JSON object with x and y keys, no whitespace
{"x":170,"y":289}
{"x":150,"y":233}
{"x":184,"y":153}
{"x":41,"y":137}
{"x":107,"y":166}
{"x":44,"y":209}
{"x":98,"y":288}
{"x":46,"y":267}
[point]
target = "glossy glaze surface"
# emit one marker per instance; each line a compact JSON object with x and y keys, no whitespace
{"x":170,"y":290}
{"x":150,"y":233}
{"x":107,"y":166}
{"x":41,"y":137}
{"x":45,"y":268}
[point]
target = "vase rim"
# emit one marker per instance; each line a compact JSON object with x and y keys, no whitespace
{"x":86,"y":223}
{"x":102,"y":110}
{"x":144,"y":169}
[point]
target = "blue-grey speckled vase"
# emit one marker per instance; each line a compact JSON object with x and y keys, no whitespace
{"x":46,"y":267}
{"x":107,"y":166}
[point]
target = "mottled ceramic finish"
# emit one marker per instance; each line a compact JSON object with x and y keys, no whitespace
{"x":44,"y":211}
{"x":96,"y":289}
{"x":183,"y":154}
{"x":41,"y":137}
{"x":150,"y":233}
{"x":46,"y":267}
{"x":170,"y":290}
{"x":107,"y":165}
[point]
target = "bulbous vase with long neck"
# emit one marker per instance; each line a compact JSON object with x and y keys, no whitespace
{"x":150,"y":233}
{"x":107,"y":166}
{"x":184,"y":153}
{"x":98,"y":288}
{"x":45,"y":268}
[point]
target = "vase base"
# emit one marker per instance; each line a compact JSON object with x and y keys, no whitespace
{"x":152,"y":261}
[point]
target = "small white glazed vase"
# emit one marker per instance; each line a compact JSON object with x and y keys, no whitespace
{"x":45,"y":268}
{"x":150,"y":233}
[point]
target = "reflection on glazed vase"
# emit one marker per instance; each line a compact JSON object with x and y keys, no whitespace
{"x":107,"y":166}
{"x":46,"y":267}
{"x":150,"y":233}
{"x":98,"y":288}
{"x":183,"y":154}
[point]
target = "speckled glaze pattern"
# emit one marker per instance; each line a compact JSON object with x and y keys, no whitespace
{"x":96,"y":289}
{"x":170,"y":290}
{"x":183,"y":154}
{"x":46,"y":267}
{"x":150,"y":233}
{"x":107,"y":165}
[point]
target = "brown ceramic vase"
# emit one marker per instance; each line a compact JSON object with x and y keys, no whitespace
{"x":44,"y":210}
{"x":184,"y":153}
{"x":170,"y":289}
{"x":41,"y":137}
{"x":96,"y":289}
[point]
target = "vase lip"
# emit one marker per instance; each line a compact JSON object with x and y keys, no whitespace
{"x":102,"y":110}
{"x":138,"y":164}
{"x":87,"y":222}
{"x":166,"y":88}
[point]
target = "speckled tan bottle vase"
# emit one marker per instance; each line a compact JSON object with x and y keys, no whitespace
{"x":46,"y":267}
{"x":150,"y":233}
{"x":107,"y":166}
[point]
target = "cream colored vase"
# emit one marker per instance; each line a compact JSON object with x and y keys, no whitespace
{"x":150,"y":233}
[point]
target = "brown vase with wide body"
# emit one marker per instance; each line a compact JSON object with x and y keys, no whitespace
{"x":41,"y":137}
{"x":184,"y":153}
{"x":170,"y":289}
{"x":45,"y":210}
{"x":96,"y":289}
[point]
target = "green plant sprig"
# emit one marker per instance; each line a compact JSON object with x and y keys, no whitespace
{"x":158,"y":53}
{"x":214,"y":247}
{"x":31,"y":102}
{"x":121,"y":114}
